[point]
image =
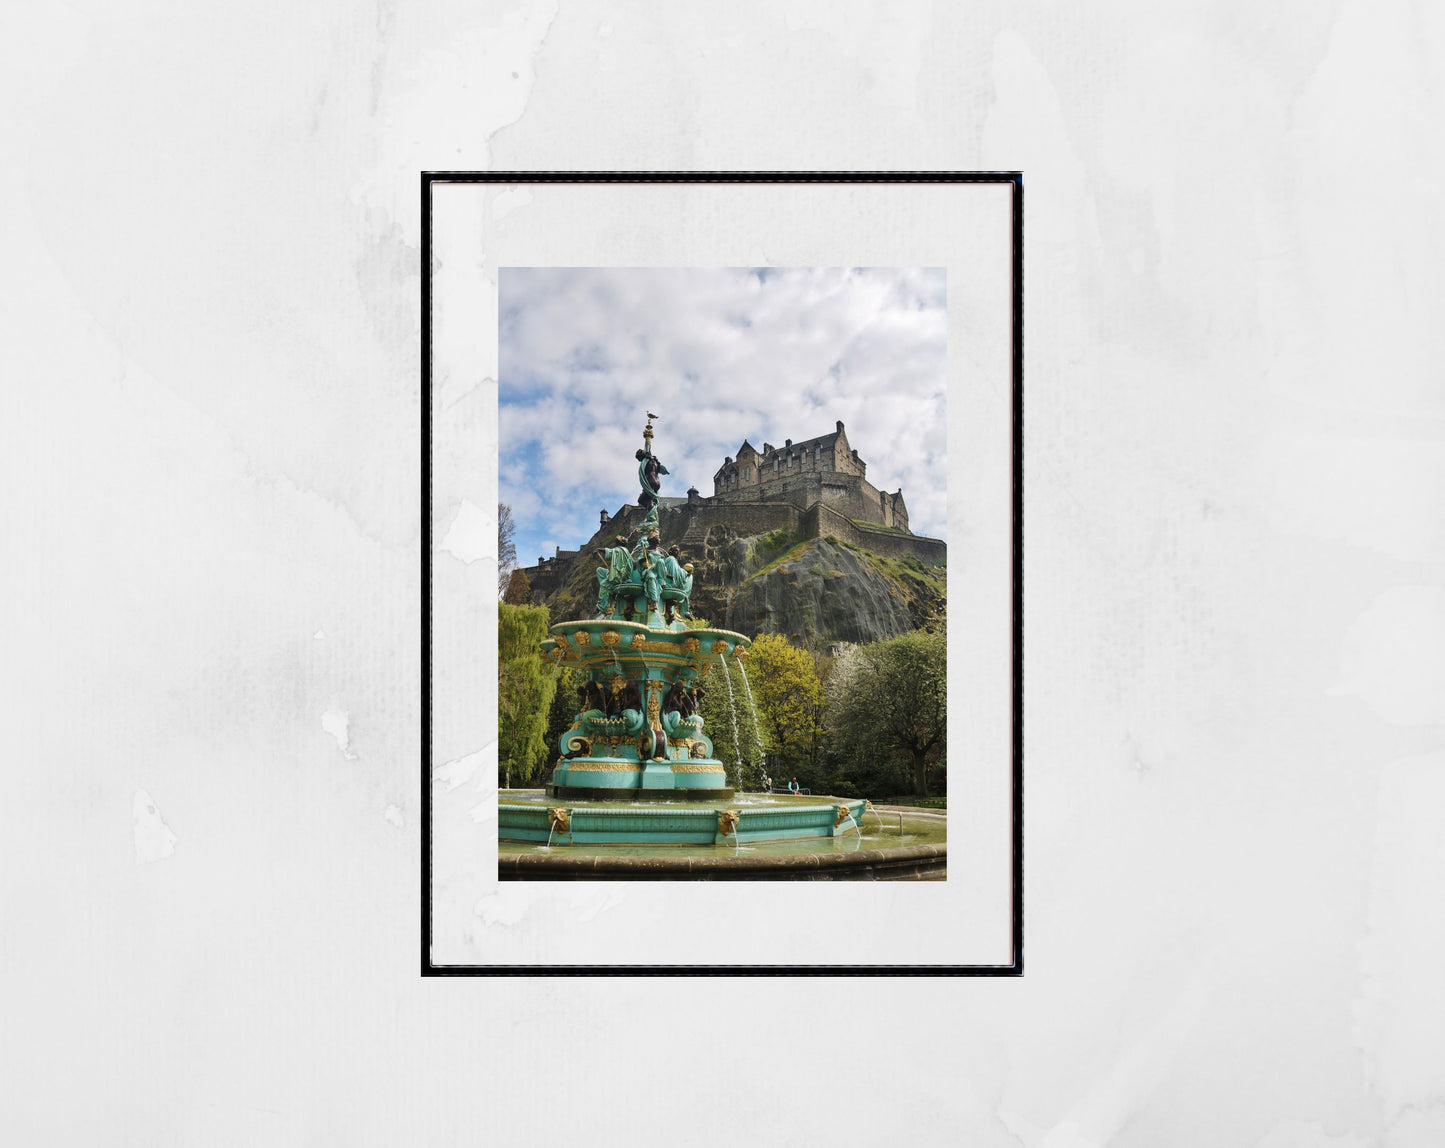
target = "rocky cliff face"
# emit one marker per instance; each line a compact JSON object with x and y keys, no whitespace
{"x":813,"y":591}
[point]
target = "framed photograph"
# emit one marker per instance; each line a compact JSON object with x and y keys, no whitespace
{"x":722,"y":585}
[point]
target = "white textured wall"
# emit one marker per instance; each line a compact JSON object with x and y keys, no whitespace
{"x":208,"y":323}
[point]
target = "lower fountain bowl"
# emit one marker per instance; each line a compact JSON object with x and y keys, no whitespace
{"x":546,"y":836}
{"x":927,"y":862}
{"x":691,"y":822}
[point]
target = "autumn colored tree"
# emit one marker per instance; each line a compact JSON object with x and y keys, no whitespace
{"x":518,"y":588}
{"x":525,"y":689}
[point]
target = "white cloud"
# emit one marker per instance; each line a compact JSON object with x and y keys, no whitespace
{"x":721,"y":354}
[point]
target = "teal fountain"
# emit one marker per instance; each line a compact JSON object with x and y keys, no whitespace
{"x":638,"y":734}
{"x":637,"y":767}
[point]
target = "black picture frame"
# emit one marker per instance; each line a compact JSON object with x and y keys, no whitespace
{"x":1016,"y":967}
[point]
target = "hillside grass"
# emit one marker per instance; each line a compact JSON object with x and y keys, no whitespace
{"x":775,"y":548}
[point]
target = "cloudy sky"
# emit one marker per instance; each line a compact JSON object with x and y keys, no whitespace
{"x":721,"y":354}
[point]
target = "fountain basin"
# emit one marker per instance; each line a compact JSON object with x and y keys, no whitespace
{"x":897,"y":844}
{"x":677,"y":824}
{"x":602,"y":644}
{"x":927,"y":862}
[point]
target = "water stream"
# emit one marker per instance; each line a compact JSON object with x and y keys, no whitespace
{"x":733,"y":711}
{"x":753,"y":710}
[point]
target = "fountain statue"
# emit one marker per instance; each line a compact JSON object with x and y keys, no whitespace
{"x":638,"y":733}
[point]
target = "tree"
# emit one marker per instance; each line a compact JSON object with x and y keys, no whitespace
{"x":789,"y":700}
{"x":525,"y":688}
{"x":561,"y":714}
{"x":517,"y":589}
{"x":506,"y":547}
{"x":890,"y":698}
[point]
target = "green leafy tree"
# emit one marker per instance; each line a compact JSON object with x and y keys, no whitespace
{"x":889,"y":699}
{"x":526,"y":686}
{"x":790,"y":702}
{"x":562,"y":713}
{"x":855,"y":764}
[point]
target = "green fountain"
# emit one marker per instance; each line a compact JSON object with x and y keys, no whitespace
{"x":637,"y":768}
{"x":638,"y":734}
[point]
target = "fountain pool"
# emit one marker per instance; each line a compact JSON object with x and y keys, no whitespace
{"x":767,"y":837}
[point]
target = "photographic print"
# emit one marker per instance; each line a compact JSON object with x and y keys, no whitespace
{"x":721,"y":584}
{"x":728,"y":659}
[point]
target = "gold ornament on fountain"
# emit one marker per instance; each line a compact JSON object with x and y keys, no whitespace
{"x":727,"y":821}
{"x":843,"y":816}
{"x":560,"y":819}
{"x":611,"y":638}
{"x":691,"y":645}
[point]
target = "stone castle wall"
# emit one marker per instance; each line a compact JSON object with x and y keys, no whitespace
{"x":849,"y":494}
{"x":747,"y":518}
{"x":822,"y":521}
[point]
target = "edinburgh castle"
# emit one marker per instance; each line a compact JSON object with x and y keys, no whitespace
{"x":816,"y":489}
